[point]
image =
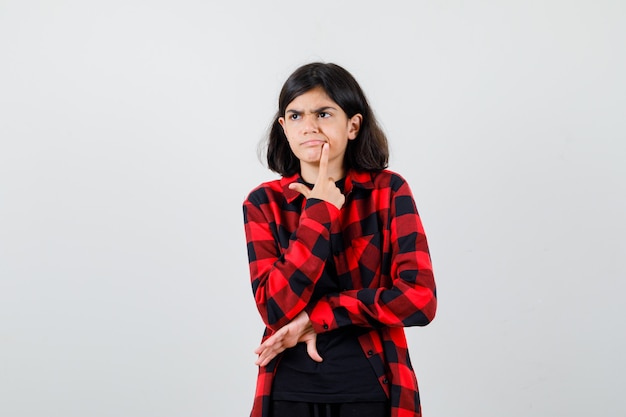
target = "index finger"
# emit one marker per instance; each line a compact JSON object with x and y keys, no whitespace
{"x":322,"y":174}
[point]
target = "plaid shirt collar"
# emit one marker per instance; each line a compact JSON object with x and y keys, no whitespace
{"x":358,"y":179}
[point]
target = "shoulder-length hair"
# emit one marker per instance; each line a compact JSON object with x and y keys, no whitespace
{"x":369,"y":151}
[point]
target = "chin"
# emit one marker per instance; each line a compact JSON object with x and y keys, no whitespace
{"x":312,"y":156}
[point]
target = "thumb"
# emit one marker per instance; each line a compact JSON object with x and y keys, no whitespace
{"x":311,"y":349}
{"x":301,"y":188}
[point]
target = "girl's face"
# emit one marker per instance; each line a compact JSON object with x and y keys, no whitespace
{"x":313,"y":119}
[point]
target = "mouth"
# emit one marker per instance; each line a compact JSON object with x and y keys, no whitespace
{"x":313,"y":142}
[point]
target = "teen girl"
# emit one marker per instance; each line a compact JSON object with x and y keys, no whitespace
{"x":339,"y":261}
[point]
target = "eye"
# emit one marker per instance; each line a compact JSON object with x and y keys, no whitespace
{"x":323,"y":115}
{"x":294,"y":116}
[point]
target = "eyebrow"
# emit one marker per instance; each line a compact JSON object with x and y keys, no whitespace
{"x":321,"y":109}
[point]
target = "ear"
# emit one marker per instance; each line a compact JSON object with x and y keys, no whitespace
{"x":281,"y":121}
{"x":354,"y":125}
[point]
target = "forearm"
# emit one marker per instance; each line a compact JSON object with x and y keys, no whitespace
{"x":283,"y":279}
{"x":402,"y":305}
{"x":405,"y":293}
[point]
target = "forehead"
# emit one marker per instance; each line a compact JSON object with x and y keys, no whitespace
{"x":312,"y":99}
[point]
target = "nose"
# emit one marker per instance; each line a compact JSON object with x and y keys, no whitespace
{"x":309,"y":124}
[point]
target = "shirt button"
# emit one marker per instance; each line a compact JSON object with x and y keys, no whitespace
{"x":385,"y":381}
{"x":325,"y":326}
{"x":370,"y":352}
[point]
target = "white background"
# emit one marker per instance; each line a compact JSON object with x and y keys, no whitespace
{"x":128,"y":137}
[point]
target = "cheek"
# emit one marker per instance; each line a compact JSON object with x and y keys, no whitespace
{"x":292,"y":145}
{"x":289,"y":132}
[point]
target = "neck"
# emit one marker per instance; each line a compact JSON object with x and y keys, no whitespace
{"x":310,"y":174}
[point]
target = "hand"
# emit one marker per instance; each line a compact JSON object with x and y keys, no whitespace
{"x":324,"y":188}
{"x":297,"y":330}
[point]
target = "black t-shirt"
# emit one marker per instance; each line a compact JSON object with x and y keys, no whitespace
{"x":345,"y":375}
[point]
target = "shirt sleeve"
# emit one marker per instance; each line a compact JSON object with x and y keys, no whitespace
{"x":410,"y":301}
{"x":283,"y":280}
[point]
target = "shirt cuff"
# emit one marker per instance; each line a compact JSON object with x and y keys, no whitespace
{"x":322,"y":317}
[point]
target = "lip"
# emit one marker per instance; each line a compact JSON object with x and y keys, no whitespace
{"x":313,"y":142}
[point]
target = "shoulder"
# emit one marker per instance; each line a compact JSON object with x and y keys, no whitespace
{"x":265,"y":192}
{"x":388,"y":179}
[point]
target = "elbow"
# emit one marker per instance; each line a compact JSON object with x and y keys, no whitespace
{"x":430,"y":314}
{"x":423,"y":315}
{"x":420,"y":304}
{"x":429,"y":302}
{"x":430,"y":310}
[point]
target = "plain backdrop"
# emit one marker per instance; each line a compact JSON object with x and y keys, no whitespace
{"x":128,"y":142}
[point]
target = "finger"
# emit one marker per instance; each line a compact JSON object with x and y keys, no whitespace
{"x":271,"y":341}
{"x":311,"y":349}
{"x":259,"y":350}
{"x":263,"y":346}
{"x":301,"y":188}
{"x":271,"y":347}
{"x":323,"y":169}
{"x":264,"y":357}
{"x":263,"y":360}
{"x":268,"y":354}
